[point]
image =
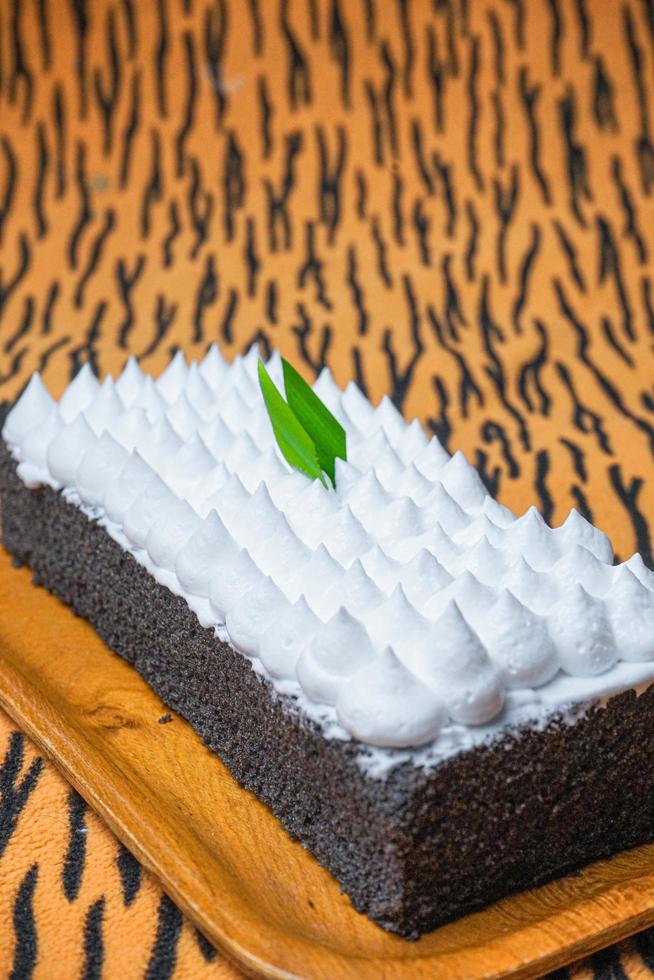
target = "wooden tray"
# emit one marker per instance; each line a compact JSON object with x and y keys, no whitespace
{"x":226,"y":861}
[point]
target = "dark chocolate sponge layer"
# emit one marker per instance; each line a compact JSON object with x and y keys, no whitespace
{"x":412,"y":851}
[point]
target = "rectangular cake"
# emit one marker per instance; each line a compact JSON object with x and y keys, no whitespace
{"x":443,"y":702}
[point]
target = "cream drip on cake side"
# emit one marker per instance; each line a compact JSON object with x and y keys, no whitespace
{"x":406,"y":608}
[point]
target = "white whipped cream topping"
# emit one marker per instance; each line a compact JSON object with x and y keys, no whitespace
{"x":404,"y":608}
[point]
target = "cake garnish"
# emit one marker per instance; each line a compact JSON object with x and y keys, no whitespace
{"x":307,"y":433}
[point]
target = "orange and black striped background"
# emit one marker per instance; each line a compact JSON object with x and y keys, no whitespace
{"x":448,"y":200}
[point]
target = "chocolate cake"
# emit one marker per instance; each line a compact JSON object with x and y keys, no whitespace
{"x":442,"y":701}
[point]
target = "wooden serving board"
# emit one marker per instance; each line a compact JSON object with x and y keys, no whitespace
{"x":222,"y":856}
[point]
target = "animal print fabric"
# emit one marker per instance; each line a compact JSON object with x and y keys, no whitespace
{"x":447,"y":200}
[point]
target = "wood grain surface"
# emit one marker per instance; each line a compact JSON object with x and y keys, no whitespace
{"x":223,"y":857}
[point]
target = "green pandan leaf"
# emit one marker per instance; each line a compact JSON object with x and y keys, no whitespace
{"x":326,"y":431}
{"x":297,"y":446}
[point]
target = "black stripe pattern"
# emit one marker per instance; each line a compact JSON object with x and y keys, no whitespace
{"x":15,"y":791}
